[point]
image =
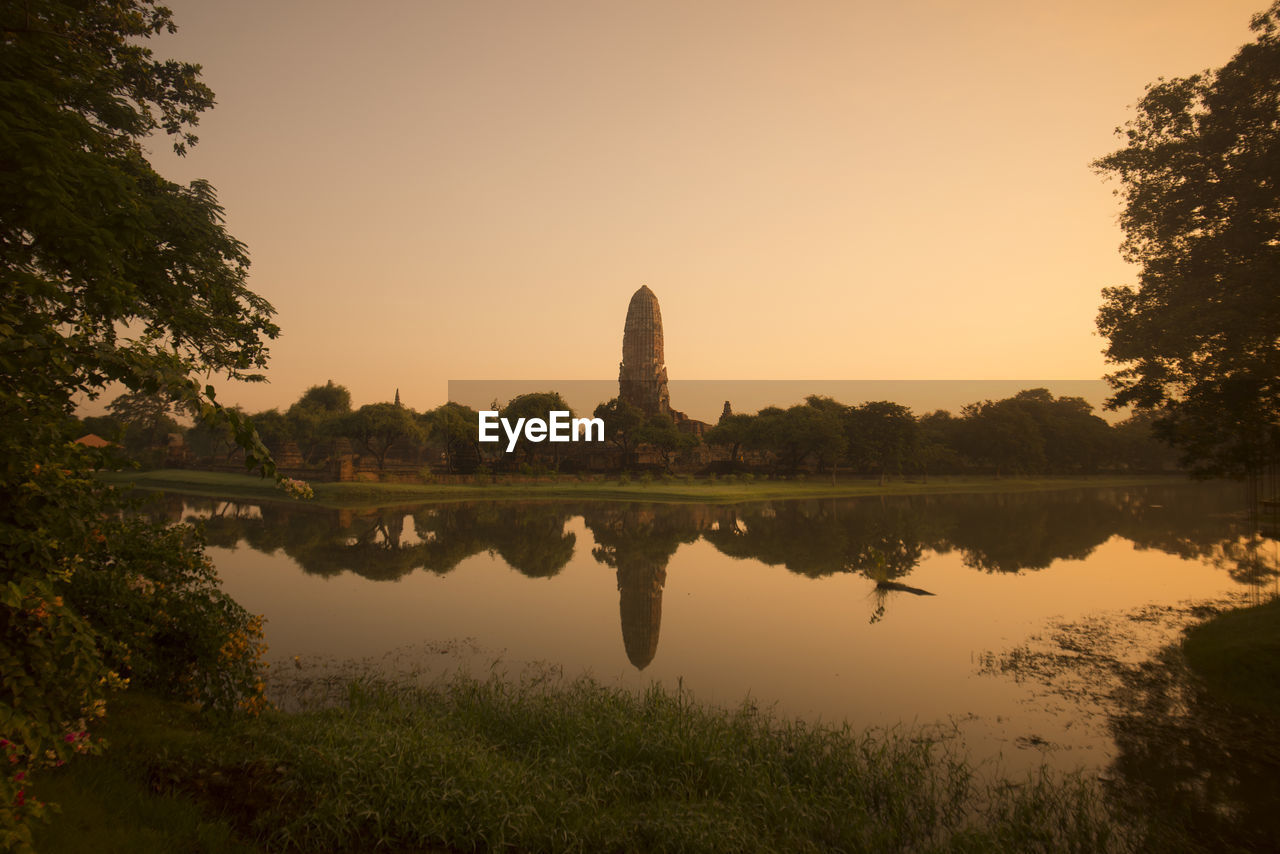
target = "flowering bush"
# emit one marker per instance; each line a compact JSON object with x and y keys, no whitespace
{"x":163,"y":621}
{"x":296,"y":488}
{"x":53,"y":675}
{"x":93,"y":600}
{"x":111,"y":274}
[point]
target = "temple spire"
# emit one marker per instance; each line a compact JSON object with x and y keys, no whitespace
{"x":642,"y":376}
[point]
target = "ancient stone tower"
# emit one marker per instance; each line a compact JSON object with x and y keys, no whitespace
{"x":642,"y":376}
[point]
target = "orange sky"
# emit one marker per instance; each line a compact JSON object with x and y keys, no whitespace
{"x":441,"y":189}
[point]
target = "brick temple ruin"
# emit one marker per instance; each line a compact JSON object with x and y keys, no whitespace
{"x":642,"y":374}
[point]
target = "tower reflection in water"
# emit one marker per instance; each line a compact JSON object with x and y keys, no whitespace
{"x":638,"y":542}
{"x":883,"y":539}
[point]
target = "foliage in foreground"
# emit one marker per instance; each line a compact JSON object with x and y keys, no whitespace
{"x":163,"y":621}
{"x":95,"y":599}
{"x":109,"y":273}
{"x":547,"y":766}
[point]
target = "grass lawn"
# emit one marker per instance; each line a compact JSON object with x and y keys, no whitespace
{"x":1237,"y":654}
{"x":116,"y":803}
{"x":703,"y":490}
{"x":544,"y":765}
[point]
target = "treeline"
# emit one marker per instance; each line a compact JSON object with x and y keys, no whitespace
{"x":1032,"y":432}
{"x":147,"y":428}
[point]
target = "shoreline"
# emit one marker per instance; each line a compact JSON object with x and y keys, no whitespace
{"x":534,"y":765}
{"x":702,"y":491}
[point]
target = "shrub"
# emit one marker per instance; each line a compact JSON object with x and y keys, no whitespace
{"x":163,"y":621}
{"x":95,"y":599}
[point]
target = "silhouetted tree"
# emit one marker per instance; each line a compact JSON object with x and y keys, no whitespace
{"x":148,"y":421}
{"x":799,"y":433}
{"x":312,"y":417}
{"x":1073,"y":439}
{"x":211,"y":439}
{"x":733,"y":432}
{"x":661,"y":432}
{"x":330,"y":397}
{"x":622,"y":424}
{"x":378,"y":427}
{"x":1198,"y":340}
{"x":939,"y":443}
{"x":882,"y":436}
{"x":273,"y":427}
{"x":538,"y":404}
{"x":456,"y":429}
{"x":1003,"y":435}
{"x":836,"y":413}
{"x":1136,"y":444}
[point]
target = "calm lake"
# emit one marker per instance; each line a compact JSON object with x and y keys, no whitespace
{"x":969,"y":610}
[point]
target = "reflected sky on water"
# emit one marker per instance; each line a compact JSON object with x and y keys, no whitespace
{"x":873,"y":610}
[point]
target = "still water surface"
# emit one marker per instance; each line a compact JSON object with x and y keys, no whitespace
{"x":877,"y":611}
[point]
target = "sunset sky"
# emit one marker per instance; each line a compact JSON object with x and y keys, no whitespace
{"x":848,"y":190}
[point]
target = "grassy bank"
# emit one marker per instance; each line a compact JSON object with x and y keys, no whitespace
{"x":718,"y":490}
{"x":1237,"y":655}
{"x":551,"y":766}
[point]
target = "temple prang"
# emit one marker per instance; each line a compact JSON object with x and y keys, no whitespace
{"x":642,"y":374}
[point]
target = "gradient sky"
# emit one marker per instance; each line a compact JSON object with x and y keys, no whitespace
{"x":443,"y":189}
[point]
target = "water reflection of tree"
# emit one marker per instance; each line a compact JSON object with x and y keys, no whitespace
{"x":638,"y":541}
{"x":820,"y":538}
{"x":530,"y":538}
{"x":1189,"y":523}
{"x":1205,"y":772}
{"x":881,"y":538}
{"x":375,"y":543}
{"x":533,"y":540}
{"x":223,"y":522}
{"x":886,"y":537}
{"x":1012,"y":532}
{"x":1250,"y":560}
{"x":878,"y":539}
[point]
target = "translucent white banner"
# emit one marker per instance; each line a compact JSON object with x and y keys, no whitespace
{"x":704,"y":400}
